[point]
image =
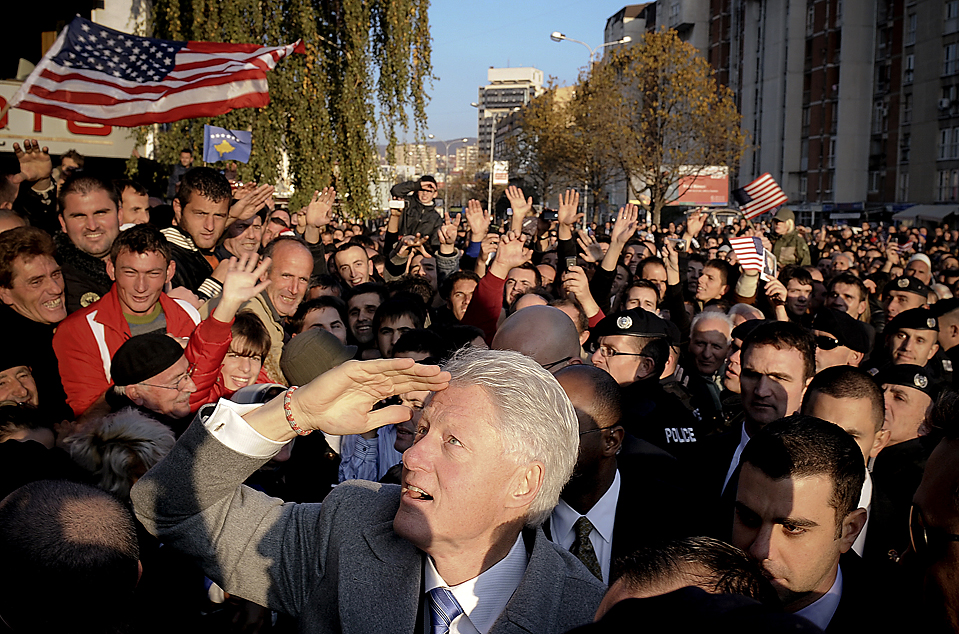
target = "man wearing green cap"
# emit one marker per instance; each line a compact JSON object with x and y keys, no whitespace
{"x":790,"y":247}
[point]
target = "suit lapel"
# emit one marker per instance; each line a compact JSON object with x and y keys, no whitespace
{"x":381,"y":593}
{"x":535,"y":603}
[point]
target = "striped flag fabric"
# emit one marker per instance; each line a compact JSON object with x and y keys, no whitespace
{"x":750,"y":252}
{"x":95,"y":74}
{"x":761,"y":195}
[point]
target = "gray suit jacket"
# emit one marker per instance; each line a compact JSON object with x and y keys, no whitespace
{"x":338,"y":566}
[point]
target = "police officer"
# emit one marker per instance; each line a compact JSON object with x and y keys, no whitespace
{"x":633,"y":346}
{"x":908,"y":391}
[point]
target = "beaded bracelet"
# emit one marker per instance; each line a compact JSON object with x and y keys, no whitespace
{"x":287,"y":399}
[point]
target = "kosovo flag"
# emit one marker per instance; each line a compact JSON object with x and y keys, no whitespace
{"x":220,"y":144}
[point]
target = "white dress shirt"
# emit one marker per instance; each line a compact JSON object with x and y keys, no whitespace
{"x":743,"y":439}
{"x":602,"y":516}
{"x":865,"y":502}
{"x":824,"y":608}
{"x":226,"y":424}
{"x":483,"y":598}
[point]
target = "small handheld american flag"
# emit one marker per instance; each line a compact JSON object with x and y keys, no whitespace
{"x":761,"y":195}
{"x":95,"y":74}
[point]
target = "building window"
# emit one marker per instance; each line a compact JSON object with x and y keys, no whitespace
{"x":803,"y":185}
{"x":911,"y":29}
{"x":947,"y":185}
{"x":945,"y":138}
{"x":805,"y":121}
{"x":875,"y":178}
{"x":951,"y":17}
{"x":908,"y":66}
{"x":904,"y":146}
{"x":907,"y":108}
{"x":950,"y":63}
{"x":954,"y":146}
{"x":810,"y":19}
{"x":902,"y":192}
{"x":831,"y":159}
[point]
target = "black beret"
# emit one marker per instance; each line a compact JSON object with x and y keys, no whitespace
{"x":944,"y":306}
{"x":908,"y":284}
{"x":915,"y":318}
{"x":636,"y":322}
{"x":742,"y":330}
{"x":850,"y":332}
{"x":921,"y":378}
{"x":143,"y":357}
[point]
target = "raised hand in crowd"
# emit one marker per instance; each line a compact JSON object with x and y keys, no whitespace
{"x":407,"y":245}
{"x":249,"y":200}
{"x":241,"y":284}
{"x":35,"y":164}
{"x":623,"y":230}
{"x":592,"y":252}
{"x":341,"y":400}
{"x":512,"y":252}
{"x":521,"y":206}
{"x":576,"y":283}
{"x":694,"y":224}
{"x":182,"y":292}
{"x":776,"y":293}
{"x":568,"y":214}
{"x":478,"y":220}
{"x":487,"y":248}
{"x":316,"y":215}
{"x":447,"y":234}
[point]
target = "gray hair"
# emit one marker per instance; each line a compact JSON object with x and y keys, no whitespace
{"x":120,"y":448}
{"x":711,"y":315}
{"x":746,"y":311}
{"x":535,"y":417}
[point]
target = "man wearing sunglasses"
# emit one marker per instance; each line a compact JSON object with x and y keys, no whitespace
{"x":840,"y":339}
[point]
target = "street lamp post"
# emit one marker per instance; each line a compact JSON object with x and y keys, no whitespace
{"x":492,"y":141}
{"x":446,"y":166}
{"x":556,"y":36}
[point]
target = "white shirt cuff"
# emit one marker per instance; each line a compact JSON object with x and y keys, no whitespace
{"x":226,"y":424}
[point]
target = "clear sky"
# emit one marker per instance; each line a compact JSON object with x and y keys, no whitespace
{"x":469,"y":37}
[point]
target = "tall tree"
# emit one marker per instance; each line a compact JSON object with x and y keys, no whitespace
{"x":362,"y":56}
{"x":540,"y":151}
{"x":663,"y":116}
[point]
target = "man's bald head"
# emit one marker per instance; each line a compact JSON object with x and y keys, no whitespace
{"x":593,"y":392}
{"x":544,"y":333}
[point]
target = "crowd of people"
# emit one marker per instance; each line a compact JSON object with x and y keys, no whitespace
{"x":543,"y":425}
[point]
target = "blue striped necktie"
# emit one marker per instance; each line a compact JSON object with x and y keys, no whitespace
{"x":443,"y":609}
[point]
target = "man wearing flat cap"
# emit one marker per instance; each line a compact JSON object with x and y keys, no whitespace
{"x":902,"y":294}
{"x":790,"y":247}
{"x":909,"y":391}
{"x":840,"y":339}
{"x":633,"y":346}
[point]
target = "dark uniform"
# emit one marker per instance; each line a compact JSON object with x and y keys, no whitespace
{"x":649,"y":411}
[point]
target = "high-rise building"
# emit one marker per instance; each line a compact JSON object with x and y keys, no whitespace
{"x":508,"y":89}
{"x":851,"y":106}
{"x":632,"y":20}
{"x":467,"y":160}
{"x":417,"y":158}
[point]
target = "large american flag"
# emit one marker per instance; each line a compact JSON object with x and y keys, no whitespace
{"x":763,"y":194}
{"x":95,"y":74}
{"x":750,"y":252}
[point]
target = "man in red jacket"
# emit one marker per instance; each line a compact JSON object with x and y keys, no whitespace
{"x":141,"y":265}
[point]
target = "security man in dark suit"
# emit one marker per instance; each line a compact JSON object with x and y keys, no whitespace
{"x":797,"y":514}
{"x":604,"y":510}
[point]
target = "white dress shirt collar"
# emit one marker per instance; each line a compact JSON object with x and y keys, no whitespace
{"x":824,"y":608}
{"x":743,"y":439}
{"x":865,"y":502}
{"x":603,"y":518}
{"x":483,"y":598}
